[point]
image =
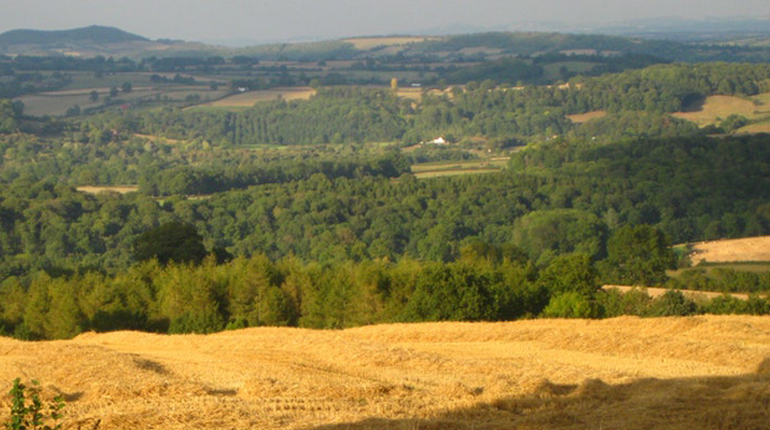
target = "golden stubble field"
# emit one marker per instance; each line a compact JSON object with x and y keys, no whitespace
{"x":701,"y":372}
{"x":732,"y":250}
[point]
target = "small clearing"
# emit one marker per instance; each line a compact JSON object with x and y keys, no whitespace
{"x":732,"y":250}
{"x":580,"y":118}
{"x":366,"y":43}
{"x":121,"y":189}
{"x":715,"y":108}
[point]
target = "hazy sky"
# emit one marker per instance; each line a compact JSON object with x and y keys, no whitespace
{"x":263,"y":20}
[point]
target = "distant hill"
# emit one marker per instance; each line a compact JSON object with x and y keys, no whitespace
{"x":92,"y":34}
{"x":96,"y":40}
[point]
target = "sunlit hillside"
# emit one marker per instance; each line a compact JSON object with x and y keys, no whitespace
{"x":627,"y":373}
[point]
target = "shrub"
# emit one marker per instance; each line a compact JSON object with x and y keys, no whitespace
{"x":571,"y":305}
{"x":672,"y":303}
{"x":28,"y":411}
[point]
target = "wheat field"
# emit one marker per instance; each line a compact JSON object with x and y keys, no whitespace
{"x":703,"y":372}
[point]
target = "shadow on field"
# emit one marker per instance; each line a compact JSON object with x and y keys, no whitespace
{"x":739,"y":402}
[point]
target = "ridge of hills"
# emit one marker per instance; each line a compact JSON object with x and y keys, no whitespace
{"x":97,"y":40}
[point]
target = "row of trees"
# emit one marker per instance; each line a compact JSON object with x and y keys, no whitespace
{"x":486,"y":284}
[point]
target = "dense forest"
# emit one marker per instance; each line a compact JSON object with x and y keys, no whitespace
{"x":306,"y":212}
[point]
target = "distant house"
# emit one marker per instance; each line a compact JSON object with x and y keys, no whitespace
{"x":437,"y":141}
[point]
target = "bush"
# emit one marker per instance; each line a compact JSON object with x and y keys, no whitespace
{"x":726,"y":304}
{"x":571,"y":305}
{"x":672,"y":303}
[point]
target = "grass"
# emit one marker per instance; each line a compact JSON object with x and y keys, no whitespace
{"x":715,"y":108}
{"x":667,"y":373}
{"x":762,"y":126}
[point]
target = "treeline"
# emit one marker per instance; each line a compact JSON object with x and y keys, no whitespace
{"x":728,"y":280}
{"x":485,"y":284}
{"x":340,"y":115}
{"x":188,"y":180}
{"x":530,"y":44}
{"x":532,"y":71}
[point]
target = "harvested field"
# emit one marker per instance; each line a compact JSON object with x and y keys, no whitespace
{"x":703,"y":372}
{"x":585,"y":117}
{"x":415,"y":93}
{"x":366,"y":43}
{"x":732,"y":250}
{"x":123,"y":189}
{"x":248,"y":99}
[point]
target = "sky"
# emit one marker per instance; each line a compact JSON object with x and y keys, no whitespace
{"x":289,"y":20}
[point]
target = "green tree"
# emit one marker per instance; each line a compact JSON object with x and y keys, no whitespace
{"x":571,"y":273}
{"x":174,"y":241}
{"x":638,"y":255}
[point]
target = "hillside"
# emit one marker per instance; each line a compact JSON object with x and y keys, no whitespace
{"x":669,"y":373}
{"x":90,"y":42}
{"x":92,"y":34}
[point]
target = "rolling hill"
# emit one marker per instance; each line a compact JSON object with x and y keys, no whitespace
{"x":704,"y":372}
{"x":109,"y":41}
{"x":92,"y":34}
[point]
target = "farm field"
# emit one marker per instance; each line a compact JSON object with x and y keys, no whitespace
{"x":434,"y":170}
{"x":366,"y":43}
{"x":753,"y":249}
{"x":122,"y":189}
{"x":585,"y":117}
{"x":57,"y":102}
{"x":715,"y":108}
{"x":706,"y":372}
{"x":248,"y":99}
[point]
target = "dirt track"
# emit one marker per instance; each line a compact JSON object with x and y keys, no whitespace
{"x":441,"y":375}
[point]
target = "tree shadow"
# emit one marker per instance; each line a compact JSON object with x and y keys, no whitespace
{"x":693,"y":104}
{"x":728,"y":402}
